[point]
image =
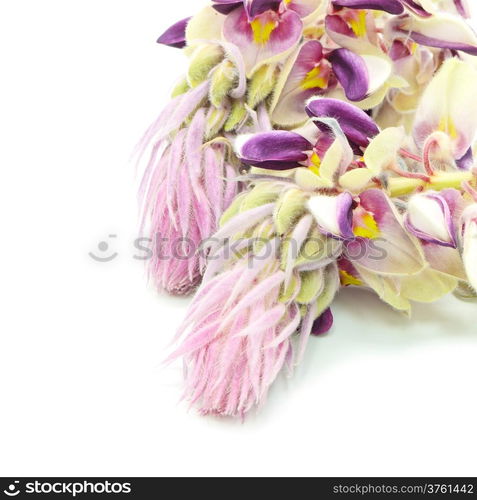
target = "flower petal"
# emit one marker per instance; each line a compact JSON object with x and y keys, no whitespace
{"x":205,"y":25}
{"x":256,"y":7}
{"x":333,"y":214}
{"x":444,"y":31}
{"x":323,"y":323}
{"x":382,"y":150}
{"x":352,"y":73}
{"x":226,"y":6}
{"x":304,"y":7}
{"x":391,"y":6}
{"x":175,"y":36}
{"x":304,"y":75}
{"x":430,"y":219}
{"x":469,"y":255}
{"x":277,"y":150}
{"x":355,"y":123}
{"x":447,"y":260}
{"x":448,"y":105}
{"x":416,"y":8}
{"x":427,"y":286}
{"x":266,"y":38}
{"x":393,"y":251}
{"x":466,"y":162}
{"x":385,"y":287}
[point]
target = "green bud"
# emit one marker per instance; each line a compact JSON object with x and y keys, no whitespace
{"x":331,"y":286}
{"x":311,"y":286}
{"x":216,"y":118}
{"x":238,"y":115}
{"x":181,"y":88}
{"x":293,"y":287}
{"x":233,"y":209}
{"x":204,"y":59}
{"x":317,"y":247}
{"x":222,"y":82}
{"x":261,"y":194}
{"x":290,"y":206}
{"x":261,"y":84}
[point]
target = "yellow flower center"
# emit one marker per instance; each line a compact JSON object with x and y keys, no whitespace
{"x":447,"y":125}
{"x":348,"y":279}
{"x":262,"y":30}
{"x":316,"y":78}
{"x":368,"y":227}
{"x":358,"y":23}
{"x":315,"y":163}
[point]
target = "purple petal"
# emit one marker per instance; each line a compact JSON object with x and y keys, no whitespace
{"x":323,"y":323}
{"x":344,"y":207}
{"x":442,"y":44}
{"x":278,"y":150}
{"x":256,"y":7}
{"x":391,"y":6}
{"x":175,"y":35}
{"x":466,"y":162}
{"x":352,"y":73}
{"x":226,"y":6}
{"x":416,"y":8}
{"x":355,"y":123}
{"x":338,"y":25}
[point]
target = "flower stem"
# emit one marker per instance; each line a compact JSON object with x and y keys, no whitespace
{"x":401,"y":186}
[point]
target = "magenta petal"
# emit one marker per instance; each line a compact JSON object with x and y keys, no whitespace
{"x":398,"y":50}
{"x":323,"y":323}
{"x":391,"y":6}
{"x":355,"y":123}
{"x":286,"y":33}
{"x":278,"y":150}
{"x":337,"y":25}
{"x":175,"y":35}
{"x":352,"y":73}
{"x":226,"y":6}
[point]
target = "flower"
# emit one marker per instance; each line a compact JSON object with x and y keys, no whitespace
{"x":311,"y":145}
{"x":446,"y":119}
{"x":431,"y":217}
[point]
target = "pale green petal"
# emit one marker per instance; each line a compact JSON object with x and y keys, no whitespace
{"x":382,"y":150}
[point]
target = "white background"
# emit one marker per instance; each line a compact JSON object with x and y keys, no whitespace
{"x":82,"y":387}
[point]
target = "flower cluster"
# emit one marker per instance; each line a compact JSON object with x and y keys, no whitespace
{"x":312,"y":145}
